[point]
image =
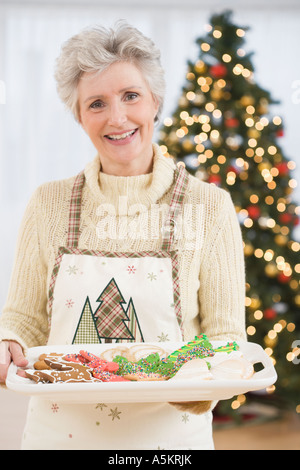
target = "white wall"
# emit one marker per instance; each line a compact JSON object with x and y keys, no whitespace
{"x":39,"y":141}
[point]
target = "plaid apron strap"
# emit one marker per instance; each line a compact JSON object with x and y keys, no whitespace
{"x":75,"y":211}
{"x":181,"y":182}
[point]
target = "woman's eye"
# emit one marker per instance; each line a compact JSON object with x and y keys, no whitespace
{"x":131,"y":96}
{"x":96,"y":104}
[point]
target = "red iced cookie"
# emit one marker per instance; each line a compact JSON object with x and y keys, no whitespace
{"x":111,"y":367}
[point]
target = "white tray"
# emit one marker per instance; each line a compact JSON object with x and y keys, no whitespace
{"x":133,"y":392}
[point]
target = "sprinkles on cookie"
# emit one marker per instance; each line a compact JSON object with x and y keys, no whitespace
{"x":152,"y":367}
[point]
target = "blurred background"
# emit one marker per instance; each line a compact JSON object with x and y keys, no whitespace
{"x":40,"y":141}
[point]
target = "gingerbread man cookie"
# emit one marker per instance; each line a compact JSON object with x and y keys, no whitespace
{"x":61,"y":371}
{"x":41,"y":364}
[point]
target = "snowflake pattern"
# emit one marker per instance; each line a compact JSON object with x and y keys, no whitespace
{"x":54,"y":407}
{"x":72,"y":270}
{"x":185,"y":417}
{"x":101,"y":406}
{"x":152,"y":276}
{"x":114,"y":413}
{"x":131,"y":269}
{"x":69,"y":303}
{"x":163,"y":337}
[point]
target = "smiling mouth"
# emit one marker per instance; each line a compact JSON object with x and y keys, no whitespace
{"x":118,"y":137}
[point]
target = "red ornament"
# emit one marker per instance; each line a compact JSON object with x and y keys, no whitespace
{"x":282,"y":168}
{"x":270,"y":313}
{"x":232,"y":122}
{"x":283,"y":278}
{"x":233,"y":169}
{"x":215,"y":179}
{"x":253,"y":211}
{"x":280,"y":133}
{"x":285,"y":218}
{"x":218,"y":71}
{"x":296,"y":221}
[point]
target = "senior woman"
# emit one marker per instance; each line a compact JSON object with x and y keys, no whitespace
{"x":131,"y":249}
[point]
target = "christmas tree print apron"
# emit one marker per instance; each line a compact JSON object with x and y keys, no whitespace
{"x":99,"y":297}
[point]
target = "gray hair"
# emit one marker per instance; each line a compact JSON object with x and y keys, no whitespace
{"x":96,"y":48}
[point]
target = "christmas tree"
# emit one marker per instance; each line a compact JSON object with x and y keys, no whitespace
{"x":223,"y":133}
{"x":134,"y":325}
{"x":86,"y":331}
{"x":110,"y":316}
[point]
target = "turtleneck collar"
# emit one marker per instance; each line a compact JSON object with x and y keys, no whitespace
{"x":143,"y":189}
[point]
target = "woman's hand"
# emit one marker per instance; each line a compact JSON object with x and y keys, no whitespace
{"x":194,"y":407}
{"x":10,"y":351}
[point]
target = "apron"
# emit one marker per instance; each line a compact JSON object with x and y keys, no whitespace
{"x":98,"y":297}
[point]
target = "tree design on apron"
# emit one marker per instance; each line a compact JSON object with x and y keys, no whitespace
{"x":86,"y":326}
{"x":110,"y":321}
{"x":122,"y":315}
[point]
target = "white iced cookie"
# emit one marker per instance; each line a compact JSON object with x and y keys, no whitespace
{"x":232,"y":368}
{"x":133,"y":353}
{"x":224,"y":356}
{"x":193,"y":370}
{"x":110,"y":353}
{"x":138,"y":351}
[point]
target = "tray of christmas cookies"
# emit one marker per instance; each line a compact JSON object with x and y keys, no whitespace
{"x":143,"y":372}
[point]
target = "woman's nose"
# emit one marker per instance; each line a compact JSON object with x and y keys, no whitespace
{"x":117,"y":116}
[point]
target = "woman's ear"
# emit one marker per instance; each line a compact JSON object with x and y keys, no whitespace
{"x":156,"y":108}
{"x":78,"y":115}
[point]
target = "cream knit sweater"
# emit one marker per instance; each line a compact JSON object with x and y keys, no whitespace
{"x":125,"y":214}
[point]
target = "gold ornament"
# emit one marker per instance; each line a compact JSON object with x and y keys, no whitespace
{"x":263,"y":107}
{"x":247,"y":100}
{"x":255,"y":303}
{"x":188,"y":145}
{"x":265,"y":165}
{"x":183,"y":102}
{"x":271,"y":270}
{"x":200,"y":67}
{"x":281,"y":240}
{"x":216,"y":94}
{"x":253,"y":133}
{"x":248,"y":249}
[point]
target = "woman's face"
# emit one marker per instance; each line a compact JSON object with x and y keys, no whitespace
{"x":117,"y":111}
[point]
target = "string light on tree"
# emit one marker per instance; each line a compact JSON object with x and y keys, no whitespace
{"x":224,"y":133}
